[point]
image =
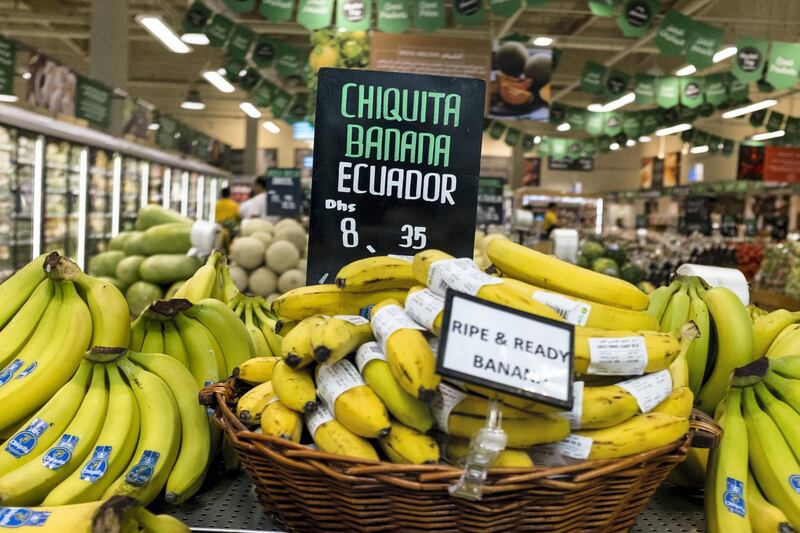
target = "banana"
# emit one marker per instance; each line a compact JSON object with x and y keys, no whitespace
{"x":375,"y":370}
{"x":786,"y":389}
{"x":786,"y":418}
{"x":229,"y":290}
{"x":194,"y":455}
{"x":351,"y":401}
{"x":138,"y":331}
{"x":22,"y":326}
{"x":304,"y":302}
{"x":30,"y":483}
{"x":279,"y":421}
{"x":253,"y":402}
{"x":787,"y":343}
{"x":258,"y":369}
{"x":282,"y":325}
{"x":551,"y":273}
{"x":697,"y":356}
{"x":202,"y":284}
{"x":764,"y":517}
{"x":767,"y":327}
{"x":260,"y":346}
{"x":159,"y":438}
{"x":173,"y":345}
{"x":376,"y":273}
{"x":116,"y":514}
{"x":457,"y":449}
{"x":16,"y":290}
{"x":734,"y":343}
{"x":661,"y":348}
{"x":788,"y":366}
{"x":659,"y":299}
{"x":199,"y":351}
{"x":331,"y":436}
{"x":773,"y":464}
{"x":407,"y":445}
{"x":787,"y":331}
{"x":639,"y":434}
{"x":38,"y":433}
{"x":154,"y":338}
{"x":410,"y":357}
{"x":267,"y":326}
{"x":223,"y":324}
{"x":112,"y":451}
{"x":339,"y":336}
{"x":296,"y":348}
{"x":677,"y":312}
{"x":522,"y":432}
{"x":426,"y":308}
{"x":294,"y":387}
{"x":679,"y":403}
{"x":162,"y":523}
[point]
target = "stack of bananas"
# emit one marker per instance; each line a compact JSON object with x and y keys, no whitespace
{"x":261,"y":324}
{"x":359,"y":382}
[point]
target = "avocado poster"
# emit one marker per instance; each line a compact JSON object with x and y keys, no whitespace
{"x":520,"y":82}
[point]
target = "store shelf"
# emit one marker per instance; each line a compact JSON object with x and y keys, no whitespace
{"x":773,"y":300}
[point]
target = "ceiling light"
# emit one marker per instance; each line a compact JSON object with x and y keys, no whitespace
{"x":614,"y":146}
{"x":645,"y":139}
{"x":724,"y":54}
{"x":595,"y":108}
{"x":250,"y":110}
{"x":622,"y":101}
{"x":564,"y":126}
{"x":630,"y":142}
{"x":738,"y":112}
{"x":271,"y":127}
{"x":218,"y":80}
{"x":767,"y":135}
{"x":543,"y":41}
{"x":537,"y":139}
{"x":699,"y":149}
{"x":193,"y":102}
{"x":243,"y":73}
{"x":200,"y":39}
{"x":26,"y":75}
{"x":663,"y":132}
{"x":686,"y":71}
{"x":8,"y":98}
{"x":159,"y":29}
{"x":153,"y":126}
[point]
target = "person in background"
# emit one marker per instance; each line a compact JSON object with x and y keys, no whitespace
{"x":227,"y":210}
{"x":550,"y":219}
{"x":256,"y":206}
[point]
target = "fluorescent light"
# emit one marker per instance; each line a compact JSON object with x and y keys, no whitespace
{"x":26,"y":75}
{"x":271,"y":127}
{"x":161,"y":31}
{"x":699,"y":149}
{"x":242,"y":73}
{"x":221,"y":71}
{"x":614,"y":146}
{"x":645,"y":139}
{"x":686,"y":71}
{"x":216,"y":79}
{"x":724,"y":54}
{"x":564,"y":126}
{"x":630,"y":142}
{"x":200,"y":39}
{"x":250,"y":110}
{"x":673,"y":129}
{"x":153,"y":126}
{"x":543,"y":41}
{"x":595,"y":108}
{"x":8,"y":98}
{"x":767,"y":135}
{"x":622,"y":101}
{"x":537,"y":139}
{"x":192,"y":101}
{"x":738,"y":112}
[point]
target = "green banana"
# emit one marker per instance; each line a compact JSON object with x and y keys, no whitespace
{"x":230,"y":332}
{"x":697,"y":356}
{"x":766,"y":329}
{"x":659,"y":299}
{"x":16,"y":290}
{"x":677,"y":312}
{"x":786,"y":418}
{"x":154,"y":338}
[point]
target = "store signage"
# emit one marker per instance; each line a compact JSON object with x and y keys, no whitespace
{"x":7,"y":60}
{"x":283,"y":192}
{"x":580,"y":164}
{"x":697,"y":215}
{"x":490,"y":201}
{"x":506,"y":350}
{"x":276,"y":10}
{"x":315,"y":14}
{"x":781,"y":164}
{"x":240,"y":42}
{"x":592,"y":77}
{"x":396,"y":164}
{"x":645,"y":88}
{"x":703,"y":42}
{"x":750,"y":56}
{"x":92,"y":102}
{"x":353,"y":15}
{"x":165,"y":135}
{"x":218,"y":30}
{"x":616,"y":83}
{"x":784,"y":60}
{"x":393,"y":16}
{"x":671,"y":36}
{"x":636,"y":16}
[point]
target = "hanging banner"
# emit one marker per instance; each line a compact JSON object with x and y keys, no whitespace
{"x":775,"y":121}
{"x":751,"y":54}
{"x":632,"y":124}
{"x":612,"y":123}
{"x":650,"y":121}
{"x":429,"y":15}
{"x":603,"y":8}
{"x":393,"y":16}
{"x":637,"y":16}
{"x":92,"y":101}
{"x":218,"y":30}
{"x":738,"y":90}
{"x":240,"y":6}
{"x":558,"y":148}
{"x":594,"y":124}
{"x":263,"y":93}
{"x":353,"y":15}
{"x":298,"y":111}
{"x":280,"y":102}
{"x":756,"y":118}
{"x":784,"y":60}
{"x":233,"y":68}
{"x":276,"y":10}
{"x":616,"y":83}
{"x":703,"y":42}
{"x":468,"y":12}
{"x":668,"y":92}
{"x":672,"y":35}
{"x":792,"y":128}
{"x":592,"y":77}
{"x":240,"y":42}
{"x":497,"y":129}
{"x":165,"y":135}
{"x":504,"y":8}
{"x":512,"y":136}
{"x":558,"y":113}
{"x":196,"y":18}
{"x":315,"y":14}
{"x":576,"y":117}
{"x":545,"y":147}
{"x":645,"y":87}
{"x":8,"y":52}
{"x":265,"y":51}
{"x":692,"y":91}
{"x":716,"y":89}
{"x":291,"y":60}
{"x":249,"y":80}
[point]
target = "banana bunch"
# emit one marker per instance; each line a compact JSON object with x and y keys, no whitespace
{"x":125,"y":424}
{"x":212,"y":280}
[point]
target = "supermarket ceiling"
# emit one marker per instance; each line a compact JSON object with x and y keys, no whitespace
{"x":60,"y":28}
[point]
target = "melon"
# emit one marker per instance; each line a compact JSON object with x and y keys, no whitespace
{"x":105,"y":264}
{"x":295,"y":235}
{"x":127,"y":270}
{"x":286,"y":223}
{"x":140,"y":295}
{"x":166,"y":269}
{"x":115,"y":282}
{"x":302,"y":265}
{"x":282,"y":256}
{"x":262,"y":281}
{"x":251,"y":226}
{"x":264,"y":237}
{"x":239,"y":277}
{"x":291,"y":279}
{"x":272,"y":297}
{"x":248,"y":252}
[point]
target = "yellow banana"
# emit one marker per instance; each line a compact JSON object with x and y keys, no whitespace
{"x":457,"y":449}
{"x":786,"y":418}
{"x":764,"y":517}
{"x":154,"y":338}
{"x":376,"y":273}
{"x":173,"y":345}
{"x":426,"y":308}
{"x":115,"y":514}
{"x":351,"y":401}
{"x":679,"y":403}
{"x":258,"y":369}
{"x":661,"y":349}
{"x":522,"y":432}
{"x":659,"y":299}
{"x":339,"y":336}
{"x":697,"y":356}
{"x":230,"y":333}
{"x":201,"y":285}
{"x":407,"y":445}
{"x":229,"y":290}
{"x":277,"y":420}
{"x":331,"y":436}
{"x":294,"y":387}
{"x":16,"y":290}
{"x":260,"y":346}
{"x":787,"y":343}
{"x":304,"y":302}
{"x":767,"y":327}
{"x":787,"y":366}
{"x":253,"y":402}
{"x":199,"y":351}
{"x":22,"y":325}
{"x":641,"y":433}
{"x":138,"y":331}
{"x":267,"y":326}
{"x":296,"y":348}
{"x":162,"y":523}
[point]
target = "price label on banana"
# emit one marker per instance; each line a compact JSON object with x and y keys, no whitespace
{"x":506,"y":350}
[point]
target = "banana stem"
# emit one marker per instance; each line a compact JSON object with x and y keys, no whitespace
{"x":104,"y":354}
{"x":166,"y":310}
{"x":60,"y":268}
{"x":750,"y":374}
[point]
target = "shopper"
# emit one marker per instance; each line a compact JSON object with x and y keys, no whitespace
{"x":257,"y":205}
{"x":550,"y":219}
{"x":226,"y":209}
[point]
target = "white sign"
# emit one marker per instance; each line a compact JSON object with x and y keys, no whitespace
{"x":507,"y":350}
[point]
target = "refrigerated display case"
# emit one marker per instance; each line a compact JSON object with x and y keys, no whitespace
{"x":7,"y":202}
{"x":155,"y":189}
{"x":99,"y":205}
{"x":191,"y":194}
{"x":130,"y":192}
{"x":61,"y":189}
{"x":16,"y":199}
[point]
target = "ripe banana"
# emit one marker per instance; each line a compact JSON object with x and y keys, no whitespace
{"x":638,"y":434}
{"x":258,"y":369}
{"x":161,"y":523}
{"x":294,"y":387}
{"x":351,"y":401}
{"x":16,"y":290}
{"x":223,"y":324}
{"x":112,"y":451}
{"x":279,"y":421}
{"x":30,"y":483}
{"x":679,"y":403}
{"x":154,"y":338}
{"x":23,"y":324}
{"x":786,"y":418}
{"x":229,"y":290}
{"x":331,"y":436}
{"x":767,"y":327}
{"x":199,"y":351}
{"x":764,"y":517}
{"x":339,"y":336}
{"x":267,"y":326}
{"x":697,"y":356}
{"x":734,"y":343}
{"x":260,"y":346}
{"x":173,"y":345}
{"x":456,"y":451}
{"x":659,"y":299}
{"x":253,"y":402}
{"x":159,"y":438}
{"x":549,"y":272}
{"x":522,"y":432}
{"x":787,"y":343}
{"x":407,"y":445}
{"x":661,"y":348}
{"x":304,"y":302}
{"x":376,"y":273}
{"x":786,"y":332}
{"x":296,"y":348}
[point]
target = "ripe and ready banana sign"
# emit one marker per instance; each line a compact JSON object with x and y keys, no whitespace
{"x":396,"y":164}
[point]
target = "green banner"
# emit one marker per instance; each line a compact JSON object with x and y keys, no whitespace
{"x":276,"y":10}
{"x":612,"y":123}
{"x":703,"y":42}
{"x":558,"y":113}
{"x":353,"y":15}
{"x":196,"y":18}
{"x":668,"y":92}
{"x":165,"y":135}
{"x":240,"y":42}
{"x":298,"y":111}
{"x":558,"y":148}
{"x":280,"y":102}
{"x":692,"y":91}
{"x":717,"y":88}
{"x":504,"y":8}
{"x":240,"y":6}
{"x":756,"y":118}
{"x":616,"y":83}
{"x":645,"y":87}
{"x":594,"y":123}
{"x":545,"y":147}
{"x":250,"y":80}
{"x":637,"y":16}
{"x":497,"y":130}
{"x":263,"y":93}
{"x":574,"y":148}
{"x":233,"y":68}
{"x":775,"y":121}
{"x":528,"y":141}
{"x":92,"y":101}
{"x":512,"y":136}
{"x":650,"y":121}
{"x":738,"y":90}
{"x":315,"y":14}
{"x":672,"y":35}
{"x":632,"y":124}
{"x":751,"y":54}
{"x":468,"y":12}
{"x":792,"y":127}
{"x":393,"y":16}
{"x":576,"y":117}
{"x":592,"y":77}
{"x":218,"y":30}
{"x":429,"y":15}
{"x":603,"y":8}
{"x":8,"y":52}
{"x":291,"y":60}
{"x":265,"y":51}
{"x":784,"y":60}
{"x":706,"y":109}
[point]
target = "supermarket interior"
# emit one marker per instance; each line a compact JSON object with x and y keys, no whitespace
{"x":403,"y":265}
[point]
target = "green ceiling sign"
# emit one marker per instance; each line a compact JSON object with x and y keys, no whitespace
{"x":353,"y":15}
{"x":276,"y":10}
{"x":704,"y":41}
{"x":636,"y":16}
{"x":393,"y":16}
{"x":645,"y":87}
{"x":668,"y":92}
{"x":784,"y":60}
{"x":592,"y":77}
{"x":315,"y":14}
{"x":751,"y":54}
{"x":671,"y":36}
{"x":8,"y":52}
{"x":429,"y":15}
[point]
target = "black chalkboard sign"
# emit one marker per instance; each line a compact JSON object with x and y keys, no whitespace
{"x":697,"y":215}
{"x":283,"y":192}
{"x":490,"y":201}
{"x":396,"y":163}
{"x":580,"y":164}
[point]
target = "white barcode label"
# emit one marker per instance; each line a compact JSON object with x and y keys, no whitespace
{"x":574,"y":416}
{"x":353,"y":319}
{"x":573,"y":311}
{"x":433,"y":342}
{"x":388,"y":320}
{"x":406,"y":258}
{"x":570,"y":450}
{"x":335,"y":379}
{"x":617,"y":356}
{"x":320,"y":416}
{"x":447,"y":397}
{"x":366,"y":353}
{"x":649,"y":390}
{"x":461,"y":275}
{"x":424,"y":306}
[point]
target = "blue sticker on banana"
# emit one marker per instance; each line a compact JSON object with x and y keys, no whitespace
{"x":61,"y":453}
{"x":97,"y":465}
{"x":141,"y":472}
{"x":24,"y":441}
{"x":734,"y":497}
{"x":14,"y":517}
{"x":30,"y":368}
{"x":8,"y":372}
{"x":794,"y":482}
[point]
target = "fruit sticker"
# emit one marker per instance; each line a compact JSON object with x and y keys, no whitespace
{"x":14,"y":517}
{"x":97,"y":465}
{"x":8,"y":372}
{"x":30,"y":368}
{"x":23,"y":442}
{"x":60,"y":454}
{"x":141,"y":472}
{"x":733,"y":498}
{"x":794,"y":482}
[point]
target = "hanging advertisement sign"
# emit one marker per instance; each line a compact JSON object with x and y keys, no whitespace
{"x":240,"y":42}
{"x":428,"y":15}
{"x":393,"y":16}
{"x":490,"y":201}
{"x":645,"y":86}
{"x":315,"y":14}
{"x":283,"y":192}
{"x":92,"y":102}
{"x":784,"y":60}
{"x":353,"y":15}
{"x":637,"y":16}
{"x":468,"y":12}
{"x":703,"y":42}
{"x":692,"y":91}
{"x":716,"y":89}
{"x":616,"y":83}
{"x":520,"y":82}
{"x":668,"y":92}
{"x":196,"y":18}
{"x":276,"y":10}
{"x":671,"y":36}
{"x":751,"y":54}
{"x":165,"y":135}
{"x":592,"y":77}
{"x":218,"y":30}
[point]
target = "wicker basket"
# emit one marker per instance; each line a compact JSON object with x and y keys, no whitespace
{"x":307,"y":490}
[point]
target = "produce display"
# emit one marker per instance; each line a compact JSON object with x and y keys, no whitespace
{"x":611,"y":260}
{"x":780,"y":269}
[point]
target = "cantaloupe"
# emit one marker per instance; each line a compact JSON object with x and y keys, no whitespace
{"x":296,"y":235}
{"x":251,"y":226}
{"x":248,"y":252}
{"x":302,"y":265}
{"x":262,"y":281}
{"x":239,"y":277}
{"x":291,"y":279}
{"x":264,"y":237}
{"x":286,"y":223}
{"x":272,"y":297}
{"x":281,"y":256}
